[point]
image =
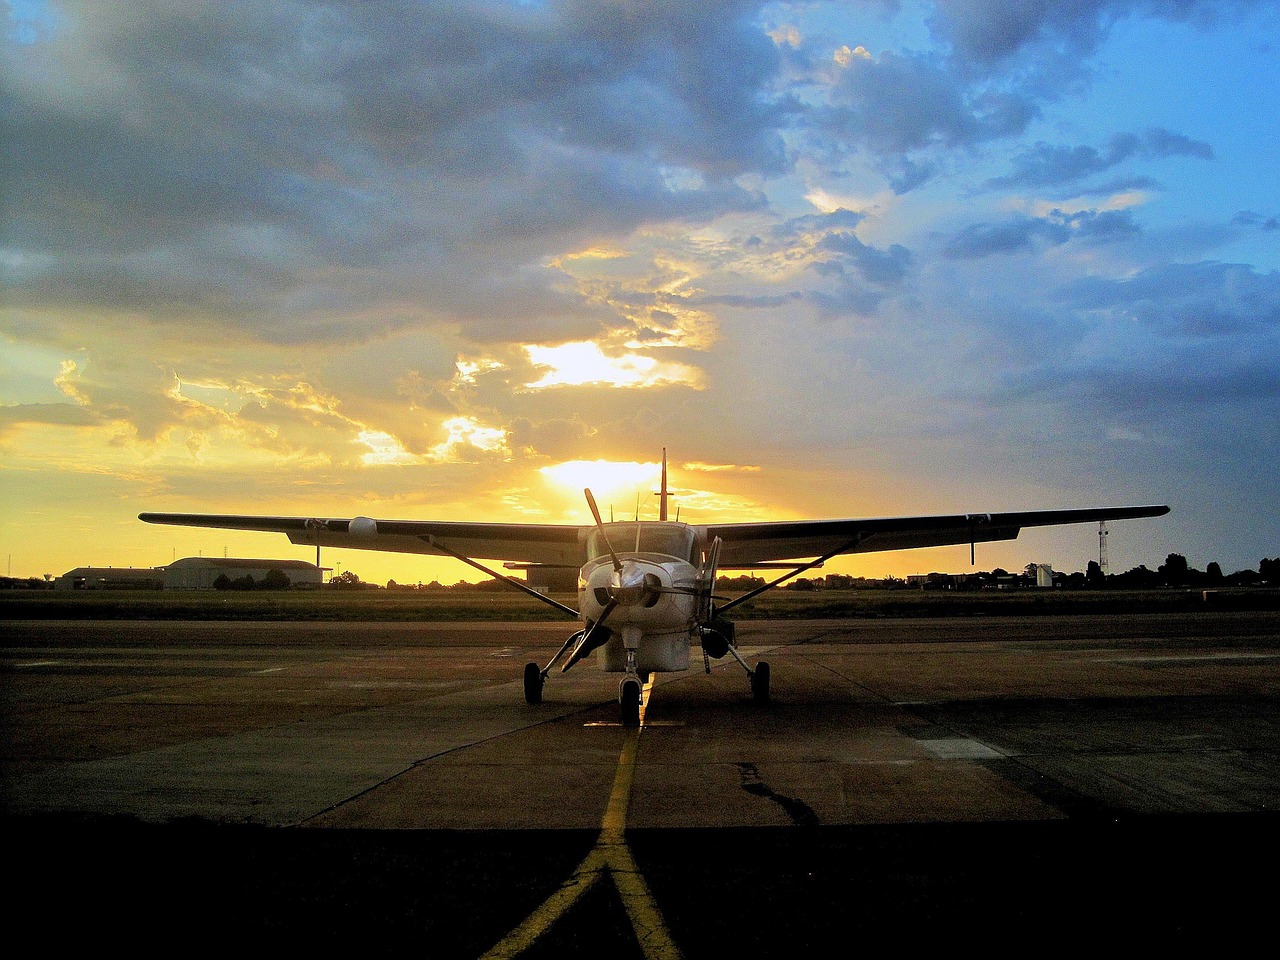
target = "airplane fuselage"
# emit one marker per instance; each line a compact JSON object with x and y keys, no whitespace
{"x":654,"y":613}
{"x":641,"y":576}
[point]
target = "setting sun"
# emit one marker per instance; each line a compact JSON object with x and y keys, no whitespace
{"x":608,"y":481}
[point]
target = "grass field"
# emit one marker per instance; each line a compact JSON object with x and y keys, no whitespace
{"x":381,"y":605}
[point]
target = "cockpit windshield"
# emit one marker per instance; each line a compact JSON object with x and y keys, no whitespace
{"x":667,"y":539}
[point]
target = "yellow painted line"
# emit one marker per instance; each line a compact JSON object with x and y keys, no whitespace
{"x":522,"y":937}
{"x":609,"y":857}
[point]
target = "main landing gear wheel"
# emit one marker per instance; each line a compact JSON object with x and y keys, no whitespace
{"x":532,"y":683}
{"x":629,"y":700}
{"x":760,"y":683}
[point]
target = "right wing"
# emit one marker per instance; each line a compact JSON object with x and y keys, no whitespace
{"x":745,"y":544}
{"x":559,"y":544}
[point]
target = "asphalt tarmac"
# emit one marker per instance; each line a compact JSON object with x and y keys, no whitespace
{"x":1003,"y":783}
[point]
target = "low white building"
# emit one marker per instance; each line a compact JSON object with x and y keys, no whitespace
{"x":202,"y":573}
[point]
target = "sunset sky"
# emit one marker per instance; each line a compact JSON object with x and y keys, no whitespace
{"x":457,"y":260}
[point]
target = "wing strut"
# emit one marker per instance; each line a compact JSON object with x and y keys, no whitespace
{"x":785,"y":577}
{"x":435,"y":543}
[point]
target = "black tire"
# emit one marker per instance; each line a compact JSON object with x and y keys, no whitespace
{"x":760,"y":683}
{"x":629,"y":701}
{"x":532,"y":683}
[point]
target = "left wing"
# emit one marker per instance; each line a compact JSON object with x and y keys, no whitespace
{"x":744,"y":544}
{"x":528,"y":542}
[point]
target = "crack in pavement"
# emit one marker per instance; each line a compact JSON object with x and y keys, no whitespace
{"x":800,"y":812}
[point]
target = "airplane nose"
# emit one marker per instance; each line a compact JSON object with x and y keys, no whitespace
{"x":635,"y":586}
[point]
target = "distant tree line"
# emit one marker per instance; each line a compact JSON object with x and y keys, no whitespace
{"x":1174,"y":572}
{"x":27,"y":583}
{"x":274,"y":579}
{"x":435,"y":586}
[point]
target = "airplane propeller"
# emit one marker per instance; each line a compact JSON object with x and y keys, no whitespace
{"x":595,"y":512}
{"x":586,"y":644}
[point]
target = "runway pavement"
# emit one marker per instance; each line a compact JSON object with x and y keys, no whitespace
{"x":364,"y":783}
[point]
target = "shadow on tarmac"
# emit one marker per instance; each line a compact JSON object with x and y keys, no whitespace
{"x":1150,"y":882}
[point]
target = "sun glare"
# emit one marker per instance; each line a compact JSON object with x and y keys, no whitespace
{"x":608,"y":481}
{"x":574,"y":364}
{"x":465,"y":432}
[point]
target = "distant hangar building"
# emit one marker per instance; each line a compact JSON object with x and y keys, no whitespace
{"x":189,"y":573}
{"x":202,"y":573}
{"x":111,"y":578}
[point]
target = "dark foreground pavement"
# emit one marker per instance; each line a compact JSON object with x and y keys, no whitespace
{"x":1016,"y":785}
{"x":1142,"y":883}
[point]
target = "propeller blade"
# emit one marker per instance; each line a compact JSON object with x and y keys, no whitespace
{"x":585,"y":645}
{"x":595,"y":512}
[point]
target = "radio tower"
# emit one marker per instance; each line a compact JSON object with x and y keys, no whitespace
{"x":1102,"y":546}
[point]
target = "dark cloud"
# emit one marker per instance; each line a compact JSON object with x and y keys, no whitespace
{"x":881,"y":267}
{"x":850,"y":299}
{"x":898,"y":103}
{"x":554,"y":438}
{"x":1219,"y":396}
{"x":1104,"y":226}
{"x":59,"y":414}
{"x":837,"y":247}
{"x":748,"y":301}
{"x":1201,"y":299}
{"x":281,"y":166}
{"x":1247,"y":218}
{"x":985,"y":32}
{"x":1045,"y":165}
{"x":841,"y":219}
{"x":1022,"y":233}
{"x":907,"y":174}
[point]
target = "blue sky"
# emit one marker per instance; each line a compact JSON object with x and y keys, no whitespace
{"x":842,"y":259}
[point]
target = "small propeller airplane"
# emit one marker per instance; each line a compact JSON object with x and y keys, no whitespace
{"x":645,"y":587}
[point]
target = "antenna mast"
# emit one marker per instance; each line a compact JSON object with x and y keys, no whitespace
{"x":663,"y":494}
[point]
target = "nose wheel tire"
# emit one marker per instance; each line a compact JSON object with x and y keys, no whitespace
{"x":760,"y":683}
{"x":629,"y":701}
{"x":532,"y":683}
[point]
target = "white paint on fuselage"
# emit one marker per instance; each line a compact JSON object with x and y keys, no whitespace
{"x":665,"y":624}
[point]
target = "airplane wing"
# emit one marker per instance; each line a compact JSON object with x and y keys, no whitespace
{"x":743,"y":544}
{"x":746,"y":543}
{"x":559,"y":544}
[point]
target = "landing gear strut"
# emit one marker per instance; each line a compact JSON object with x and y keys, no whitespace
{"x":535,"y":677}
{"x":759,"y":677}
{"x":629,"y":689}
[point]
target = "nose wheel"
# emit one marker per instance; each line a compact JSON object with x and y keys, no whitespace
{"x":629,"y":701}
